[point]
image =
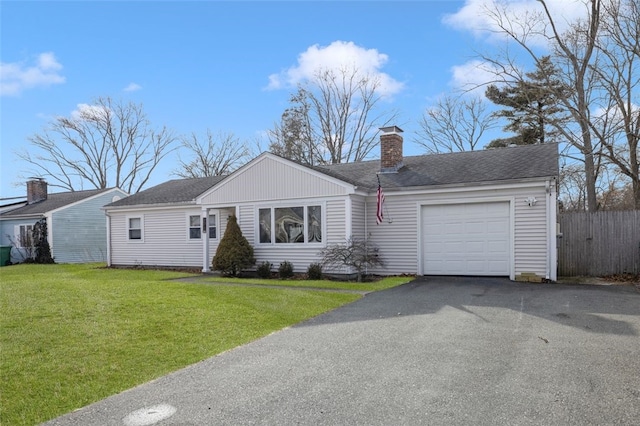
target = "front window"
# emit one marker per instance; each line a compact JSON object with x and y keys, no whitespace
{"x":135,"y":228}
{"x":314,"y":224}
{"x":290,"y":225}
{"x":264,"y":219}
{"x":24,"y":236}
{"x":195,"y":227}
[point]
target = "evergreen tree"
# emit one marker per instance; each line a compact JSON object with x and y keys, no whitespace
{"x":532,"y":104}
{"x":43,"y":249}
{"x":234,"y":251}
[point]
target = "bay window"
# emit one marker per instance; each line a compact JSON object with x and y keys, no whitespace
{"x":290,"y":225}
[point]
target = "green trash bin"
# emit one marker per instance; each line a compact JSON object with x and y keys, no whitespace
{"x":5,"y":255}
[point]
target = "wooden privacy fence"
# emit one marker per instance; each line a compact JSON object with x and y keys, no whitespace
{"x":600,"y":243}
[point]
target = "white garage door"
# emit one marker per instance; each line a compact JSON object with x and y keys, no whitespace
{"x":466,"y":239}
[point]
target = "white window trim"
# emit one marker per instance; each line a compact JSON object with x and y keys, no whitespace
{"x":127,"y":228}
{"x":199,"y":214}
{"x":215,"y":220}
{"x":304,"y":205}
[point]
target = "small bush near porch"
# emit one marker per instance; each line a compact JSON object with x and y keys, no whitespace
{"x":74,"y":334}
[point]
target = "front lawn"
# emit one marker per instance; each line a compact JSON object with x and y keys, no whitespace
{"x":74,"y":334}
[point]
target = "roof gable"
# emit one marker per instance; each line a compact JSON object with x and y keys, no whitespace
{"x":270,"y":177}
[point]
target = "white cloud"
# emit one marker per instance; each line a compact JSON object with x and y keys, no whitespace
{"x":473,"y":76}
{"x":17,"y":76}
{"x":338,"y":55}
{"x":89,"y":112}
{"x":480,"y":17}
{"x":132,"y":87}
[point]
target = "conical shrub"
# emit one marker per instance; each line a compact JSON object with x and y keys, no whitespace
{"x":234,"y":251}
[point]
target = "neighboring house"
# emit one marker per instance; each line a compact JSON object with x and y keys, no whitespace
{"x":489,"y":212}
{"x":9,"y":204}
{"x":75,"y":222}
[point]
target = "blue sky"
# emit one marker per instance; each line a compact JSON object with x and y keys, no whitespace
{"x":214,"y":65}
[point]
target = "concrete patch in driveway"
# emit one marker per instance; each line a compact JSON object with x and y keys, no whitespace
{"x":436,"y":351}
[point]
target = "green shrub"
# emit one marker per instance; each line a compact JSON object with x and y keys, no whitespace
{"x":234,"y":251}
{"x":314,"y":271}
{"x":264,"y":270}
{"x":285,"y":270}
{"x":43,"y":249}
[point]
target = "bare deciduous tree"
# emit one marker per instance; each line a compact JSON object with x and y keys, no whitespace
{"x":219,"y":155}
{"x":101,"y":145}
{"x":354,"y":253}
{"x":597,"y":59}
{"x":455,"y":124}
{"x":618,"y":77}
{"x":340,"y":112}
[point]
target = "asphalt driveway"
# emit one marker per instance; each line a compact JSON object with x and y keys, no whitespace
{"x":437,"y":351}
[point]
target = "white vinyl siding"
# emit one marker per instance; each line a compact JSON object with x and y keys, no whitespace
{"x":262,"y":181}
{"x":530,"y":239}
{"x":358,"y":206}
{"x":398,"y":237}
{"x":164,"y":241}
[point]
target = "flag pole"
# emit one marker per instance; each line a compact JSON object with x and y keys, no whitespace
{"x":380,"y":213}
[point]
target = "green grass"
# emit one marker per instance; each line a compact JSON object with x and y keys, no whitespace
{"x":74,"y":334}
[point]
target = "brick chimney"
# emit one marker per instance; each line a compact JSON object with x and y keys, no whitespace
{"x":36,"y":190}
{"x":390,"y":149}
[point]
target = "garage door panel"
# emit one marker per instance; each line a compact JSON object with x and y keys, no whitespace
{"x":497,"y":247}
{"x":466,"y":239}
{"x":475,"y":247}
{"x":452,"y":229}
{"x":475,"y":227}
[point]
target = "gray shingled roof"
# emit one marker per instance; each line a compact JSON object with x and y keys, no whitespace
{"x":54,"y":201}
{"x":494,"y":165}
{"x":171,"y":192}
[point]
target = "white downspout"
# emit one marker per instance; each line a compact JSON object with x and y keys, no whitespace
{"x":108,"y":216}
{"x":205,"y":241}
{"x":553,"y":232}
{"x":348,"y":214}
{"x":49,"y":219}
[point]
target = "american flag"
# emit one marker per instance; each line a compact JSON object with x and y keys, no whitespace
{"x":380,"y":197}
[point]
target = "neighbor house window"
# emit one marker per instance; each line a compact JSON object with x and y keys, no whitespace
{"x":24,"y":236}
{"x":195,"y":226}
{"x":135,"y":228}
{"x":290,"y":225}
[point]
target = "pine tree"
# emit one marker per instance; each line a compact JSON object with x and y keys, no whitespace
{"x":234,"y":251}
{"x":532,"y":103}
